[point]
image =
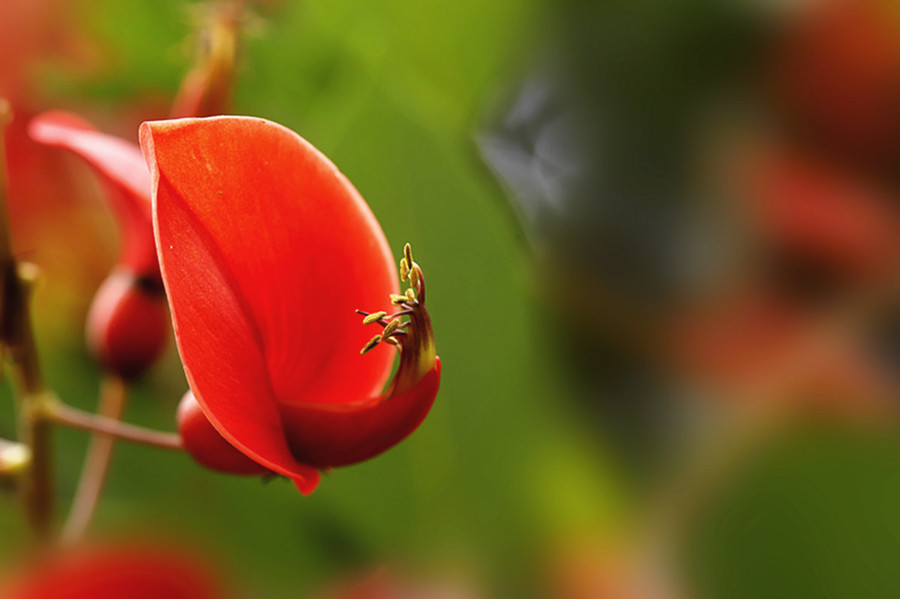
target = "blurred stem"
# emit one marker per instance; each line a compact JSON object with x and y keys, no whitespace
{"x":17,"y":337}
{"x":113,"y":395}
{"x":95,"y":423}
{"x":207,"y":88}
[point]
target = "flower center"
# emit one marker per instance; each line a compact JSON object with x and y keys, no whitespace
{"x":408,"y":329}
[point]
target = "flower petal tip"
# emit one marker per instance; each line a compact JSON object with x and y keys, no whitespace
{"x":308,"y":484}
{"x":52,"y":126}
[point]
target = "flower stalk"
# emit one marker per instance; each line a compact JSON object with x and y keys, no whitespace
{"x":113,"y":396}
{"x":103,"y":425}
{"x":207,"y":88}
{"x":17,"y":339}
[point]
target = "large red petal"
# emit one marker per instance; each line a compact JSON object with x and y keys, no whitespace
{"x":122,"y":169}
{"x":300,"y":247}
{"x":338,"y":435}
{"x":219,"y":344}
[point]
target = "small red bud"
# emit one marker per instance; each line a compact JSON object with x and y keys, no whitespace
{"x":207,"y":446}
{"x":128,"y":323}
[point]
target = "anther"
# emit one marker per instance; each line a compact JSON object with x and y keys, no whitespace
{"x":407,"y":253}
{"x":413,"y":334}
{"x":390,"y":328}
{"x":371,"y":344}
{"x":404,"y":269}
{"x":374,"y":317}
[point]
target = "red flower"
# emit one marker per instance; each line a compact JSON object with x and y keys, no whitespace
{"x":114,"y":572}
{"x":836,"y":74}
{"x":266,"y":250}
{"x":128,"y":323}
{"x":841,"y":223}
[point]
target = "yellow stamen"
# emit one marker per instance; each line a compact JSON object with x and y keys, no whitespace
{"x":374,"y":317}
{"x":409,"y":329}
{"x":391,"y":327}
{"x":371,"y":344}
{"x":407,"y":253}
{"x":404,"y":269}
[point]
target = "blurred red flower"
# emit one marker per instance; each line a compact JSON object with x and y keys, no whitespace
{"x":266,"y":250}
{"x":128,"y":322}
{"x":843,"y":223}
{"x":836,"y":75}
{"x":114,"y":572}
{"x":122,"y":170}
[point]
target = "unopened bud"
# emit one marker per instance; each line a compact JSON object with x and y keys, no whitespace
{"x":128,"y":324}
{"x":206,"y":445}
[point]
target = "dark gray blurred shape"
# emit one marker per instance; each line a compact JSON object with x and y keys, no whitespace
{"x":596,"y":149}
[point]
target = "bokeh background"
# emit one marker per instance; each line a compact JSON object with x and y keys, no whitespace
{"x":660,"y":241}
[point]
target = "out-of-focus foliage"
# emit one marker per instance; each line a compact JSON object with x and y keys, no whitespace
{"x":708,"y":193}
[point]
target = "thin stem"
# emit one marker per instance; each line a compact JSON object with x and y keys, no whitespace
{"x":17,"y":334}
{"x":17,"y":337}
{"x":16,"y":328}
{"x":113,"y":395}
{"x":75,"y":418}
{"x":37,"y":485}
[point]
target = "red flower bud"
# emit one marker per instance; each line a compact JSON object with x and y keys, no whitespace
{"x":266,"y":251}
{"x":206,"y":445}
{"x":128,"y":323}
